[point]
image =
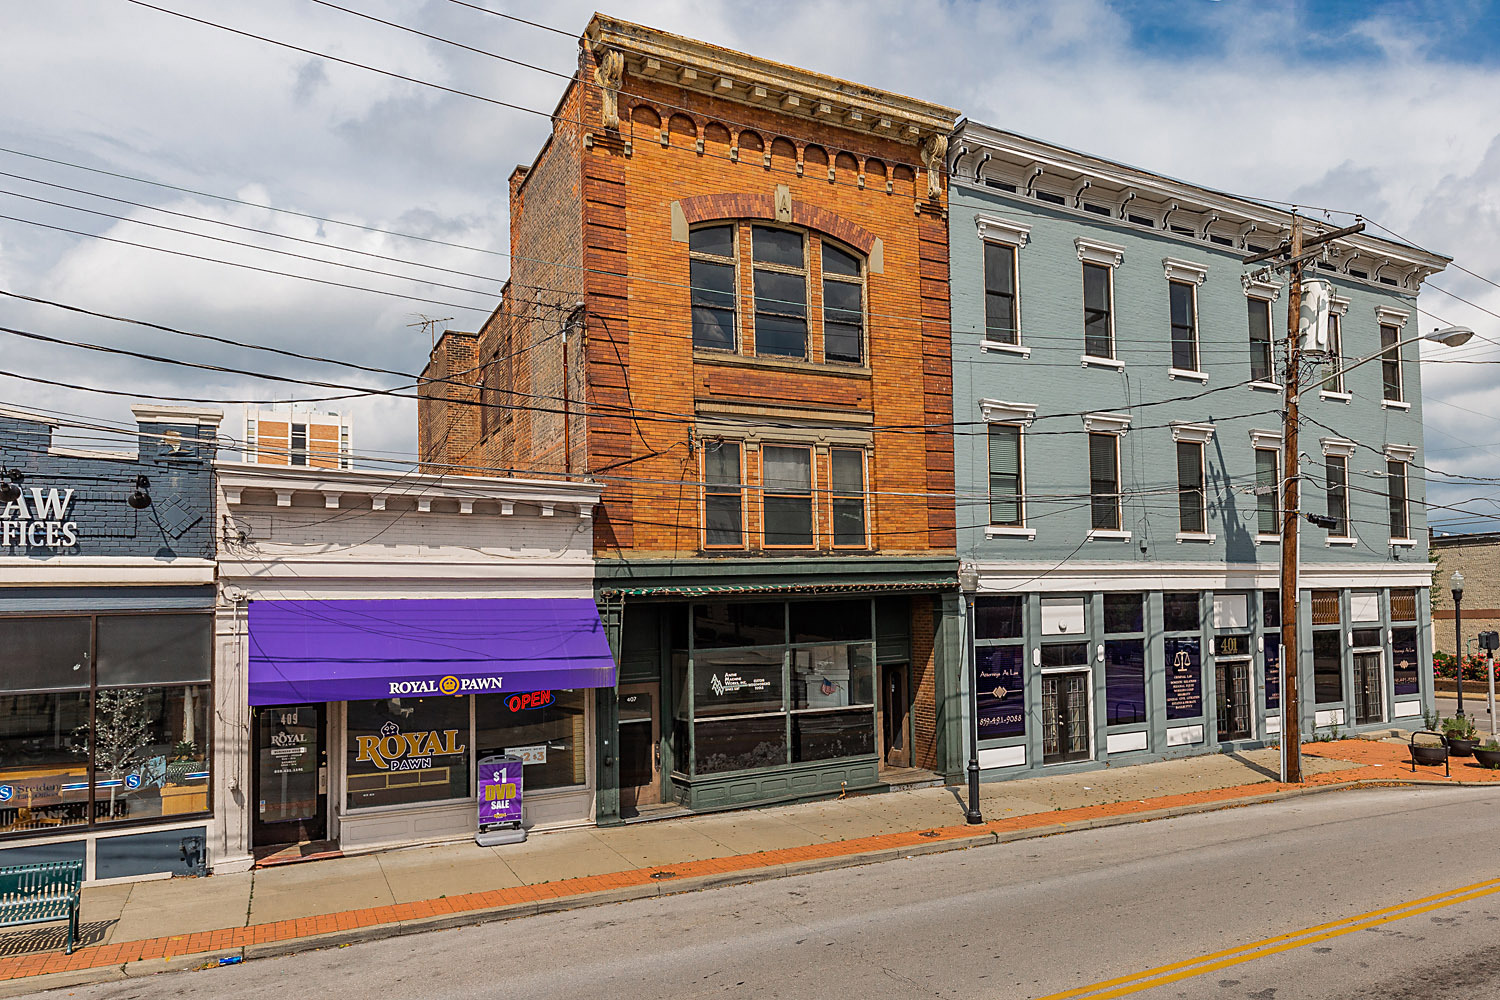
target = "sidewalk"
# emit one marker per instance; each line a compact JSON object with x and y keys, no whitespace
{"x":149,"y":927}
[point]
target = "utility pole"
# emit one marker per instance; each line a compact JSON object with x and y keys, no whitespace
{"x":1291,"y":659}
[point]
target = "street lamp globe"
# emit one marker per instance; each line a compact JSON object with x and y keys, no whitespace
{"x":1451,"y":336}
{"x":1456,"y":583}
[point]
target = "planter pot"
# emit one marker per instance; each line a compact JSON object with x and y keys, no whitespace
{"x":1487,"y":758}
{"x":1461,"y":748}
{"x":1428,"y":756}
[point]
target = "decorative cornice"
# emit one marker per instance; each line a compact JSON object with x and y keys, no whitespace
{"x":1106,"y":423}
{"x":1389,"y":316}
{"x":1400,"y":453}
{"x":745,"y":79}
{"x":1097,"y":252}
{"x":1265,"y":439}
{"x":1003,"y":230}
{"x":999,"y":411}
{"x":1338,"y":305}
{"x":1259,"y":289}
{"x":1184,"y":270}
{"x":237,"y":477}
{"x":1338,"y":446}
{"x":1194,"y":433}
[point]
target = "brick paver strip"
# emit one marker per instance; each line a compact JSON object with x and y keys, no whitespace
{"x":1380,"y":764}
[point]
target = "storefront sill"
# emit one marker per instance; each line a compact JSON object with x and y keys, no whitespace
{"x":758,"y":772}
{"x":178,"y":821}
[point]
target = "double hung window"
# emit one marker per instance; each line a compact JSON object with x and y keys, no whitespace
{"x":1001,"y":315}
{"x":1335,"y":378}
{"x":1098,"y":312}
{"x":1104,"y":481}
{"x":1184,"y":326}
{"x":1396,"y":494}
{"x":847,"y":469}
{"x":1191,"y":500}
{"x":1267,"y":490}
{"x":1261,"y":366}
{"x":843,"y":306}
{"x":1338,"y":494}
{"x":723,"y":496}
{"x":711,"y":272}
{"x":1007,"y":506}
{"x":780,"y":278}
{"x":787,"y":488}
{"x":1390,"y":363}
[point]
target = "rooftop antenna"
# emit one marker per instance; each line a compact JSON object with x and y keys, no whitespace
{"x":429,"y":324}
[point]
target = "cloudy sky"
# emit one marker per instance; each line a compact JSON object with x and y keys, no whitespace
{"x":1387,"y":109}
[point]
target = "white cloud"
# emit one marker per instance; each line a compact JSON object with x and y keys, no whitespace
{"x":1405,"y":138}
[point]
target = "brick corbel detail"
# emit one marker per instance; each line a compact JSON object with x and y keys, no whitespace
{"x":711,"y":207}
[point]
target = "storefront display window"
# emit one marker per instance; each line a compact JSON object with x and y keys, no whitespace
{"x":770,"y":702}
{"x":124,"y":697}
{"x":1184,"y":679}
{"x":1125,"y":681}
{"x":1328,"y":667}
{"x":404,"y":750}
{"x":1404,"y":659}
{"x":544,"y":728}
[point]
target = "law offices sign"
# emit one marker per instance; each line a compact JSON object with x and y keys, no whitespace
{"x":40,"y":520}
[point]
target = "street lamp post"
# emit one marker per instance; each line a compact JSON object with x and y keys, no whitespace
{"x":1456,"y":582}
{"x":968,"y":582}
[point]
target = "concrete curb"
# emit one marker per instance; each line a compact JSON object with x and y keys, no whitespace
{"x":675,"y":886}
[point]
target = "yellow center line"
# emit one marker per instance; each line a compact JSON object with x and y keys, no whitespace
{"x":1187,"y":968}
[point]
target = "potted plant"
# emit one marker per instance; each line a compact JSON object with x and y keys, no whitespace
{"x":1460,"y":735}
{"x":1488,"y":755}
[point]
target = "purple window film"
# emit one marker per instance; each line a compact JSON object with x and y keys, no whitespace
{"x":1000,"y":686}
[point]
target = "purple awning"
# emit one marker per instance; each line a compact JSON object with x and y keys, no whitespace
{"x":311,"y":651}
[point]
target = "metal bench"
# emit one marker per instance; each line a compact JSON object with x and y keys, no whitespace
{"x":40,"y":894}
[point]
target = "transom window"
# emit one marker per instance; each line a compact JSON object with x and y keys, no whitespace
{"x":784,"y":320}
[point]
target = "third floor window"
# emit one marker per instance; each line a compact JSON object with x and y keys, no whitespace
{"x":1261,"y":366}
{"x":1184,"y":326}
{"x":1001,"y":319}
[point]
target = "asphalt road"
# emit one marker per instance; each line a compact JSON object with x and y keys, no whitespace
{"x":1022,"y":920}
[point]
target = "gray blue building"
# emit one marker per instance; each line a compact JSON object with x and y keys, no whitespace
{"x":107,"y":567}
{"x":1118,"y":403}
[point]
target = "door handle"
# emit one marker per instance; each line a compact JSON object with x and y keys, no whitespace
{"x":656,"y":755}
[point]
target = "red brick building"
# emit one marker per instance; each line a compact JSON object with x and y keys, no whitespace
{"x":728,"y":305}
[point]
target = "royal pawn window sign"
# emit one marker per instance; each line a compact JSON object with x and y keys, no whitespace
{"x":500,"y":791}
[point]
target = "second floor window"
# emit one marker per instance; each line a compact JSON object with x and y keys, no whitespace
{"x":711,"y":273}
{"x":1261,"y":368}
{"x":723,"y":496}
{"x":843,"y":306}
{"x":780,"y":277}
{"x":847,"y":473}
{"x":1191,"y":517}
{"x":1267,"y":488}
{"x":1098,"y":329}
{"x":787,"y":487}
{"x":1001,"y":319}
{"x":1184,"y":327}
{"x":1396,"y":493}
{"x":1104,"y":481}
{"x":1390,"y":363}
{"x":1005,"y":475}
{"x":1338,"y":494}
{"x":1335,"y":377}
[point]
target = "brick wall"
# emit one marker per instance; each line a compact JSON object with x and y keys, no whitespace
{"x":1478,"y":559}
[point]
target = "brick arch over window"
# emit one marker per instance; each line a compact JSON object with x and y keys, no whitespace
{"x":713,"y":207}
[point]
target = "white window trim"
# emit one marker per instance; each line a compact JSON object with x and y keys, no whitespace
{"x":1106,"y":423}
{"x":1196,"y":536}
{"x":1176,"y":373}
{"x":1108,"y":533}
{"x":997,"y":411}
{"x":1265,"y":439}
{"x":1267,"y":539}
{"x":1265,"y":386}
{"x":1098,"y":252}
{"x":1395,"y":404}
{"x":1384,"y":315}
{"x":1338,"y":306}
{"x":1185,"y":270}
{"x":1338,"y":446}
{"x":1020,"y":426}
{"x":1193,"y":433}
{"x":1333,"y":540}
{"x":1009,"y":531}
{"x":1403,"y":543}
{"x":1085,"y":360}
{"x":1337,"y":397}
{"x":995,"y":345}
{"x":1119,"y":494}
{"x":991,"y":227}
{"x":1094,"y":359}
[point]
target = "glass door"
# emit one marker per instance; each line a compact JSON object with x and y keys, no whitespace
{"x":1235,"y":716}
{"x":1369,"y":705}
{"x":291,"y":775}
{"x":640,"y":747}
{"x":1065,"y":717}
